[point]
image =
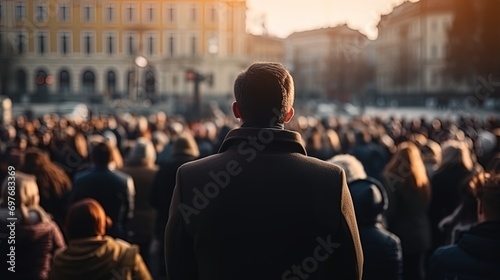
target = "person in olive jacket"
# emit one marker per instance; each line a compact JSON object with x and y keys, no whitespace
{"x":261,"y":208}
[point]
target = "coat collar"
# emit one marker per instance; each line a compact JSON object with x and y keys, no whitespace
{"x":281,"y":139}
{"x":482,"y":241}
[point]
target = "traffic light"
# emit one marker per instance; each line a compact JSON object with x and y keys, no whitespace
{"x":191,"y":75}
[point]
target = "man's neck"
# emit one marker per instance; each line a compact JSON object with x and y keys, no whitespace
{"x":261,"y":125}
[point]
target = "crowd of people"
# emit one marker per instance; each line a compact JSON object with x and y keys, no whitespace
{"x":93,"y":197}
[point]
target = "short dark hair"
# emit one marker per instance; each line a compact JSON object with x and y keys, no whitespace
{"x":264,"y":93}
{"x":101,"y":154}
{"x":489,"y":194}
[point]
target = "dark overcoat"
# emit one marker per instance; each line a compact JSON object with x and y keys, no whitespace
{"x":262,"y":209}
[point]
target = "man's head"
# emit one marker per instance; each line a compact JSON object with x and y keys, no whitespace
{"x":264,"y":94}
{"x":101,"y":154}
{"x":488,"y":197}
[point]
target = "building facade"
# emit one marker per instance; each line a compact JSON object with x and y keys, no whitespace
{"x":327,"y":63}
{"x":120,"y":48}
{"x":411,"y":53}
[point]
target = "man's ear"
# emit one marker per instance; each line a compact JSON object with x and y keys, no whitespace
{"x":236,"y":110}
{"x":289,"y":115}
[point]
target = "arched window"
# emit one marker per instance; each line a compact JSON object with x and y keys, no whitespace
{"x":130,"y":79}
{"x":150,"y":81}
{"x":21,"y":81}
{"x":41,"y":80}
{"x":111,"y":82}
{"x":64,"y":82}
{"x":88,"y":82}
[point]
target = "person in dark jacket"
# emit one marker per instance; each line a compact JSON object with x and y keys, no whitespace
{"x":383,"y":256}
{"x":184,"y":150}
{"x":140,"y":165}
{"x":476,"y":255}
{"x":114,"y":190}
{"x":449,"y":184}
{"x":408,"y":190}
{"x":261,"y":208}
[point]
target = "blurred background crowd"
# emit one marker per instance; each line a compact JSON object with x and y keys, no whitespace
{"x":426,"y":172}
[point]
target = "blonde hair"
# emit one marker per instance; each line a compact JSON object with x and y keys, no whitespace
{"x":26,"y":196}
{"x":456,"y":153}
{"x":409,"y":154}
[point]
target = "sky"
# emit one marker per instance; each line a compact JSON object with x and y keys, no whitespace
{"x":284,"y":17}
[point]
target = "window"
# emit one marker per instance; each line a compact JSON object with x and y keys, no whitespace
{"x":150,"y":13}
{"x":194,"y":13}
{"x":213,"y":13}
{"x":150,"y":82}
{"x":88,"y":43}
{"x":21,"y":80}
{"x":171,"y":45}
{"x":64,"y":82}
{"x":42,"y":79}
{"x":65,"y":42}
{"x":20,"y":11}
{"x":111,"y":82}
{"x":130,"y":13}
{"x":64,"y":12}
{"x":109,"y":13}
{"x":88,"y":13}
{"x":41,"y":12}
{"x":130,"y":43}
{"x":171,"y":13}
{"x":88,"y":81}
{"x":151,"y":47}
{"x":194,"y":46}
{"x":434,"y":51}
{"x":21,"y":42}
{"x":110,"y":42}
{"x":42,"y":43}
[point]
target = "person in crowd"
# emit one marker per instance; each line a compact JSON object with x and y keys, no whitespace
{"x":113,"y":189}
{"x":464,"y":216}
{"x":408,"y":190}
{"x":140,"y":165}
{"x":54,"y":185}
{"x":383,"y":257}
{"x":93,"y":255}
{"x":205,"y":145}
{"x":261,"y":208}
{"x":370,"y":154}
{"x":36,"y":236}
{"x":184,"y":150}
{"x":449,"y":184}
{"x":475,"y":256}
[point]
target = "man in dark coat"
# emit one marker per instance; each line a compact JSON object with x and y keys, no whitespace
{"x":261,"y":208}
{"x":114,"y":190}
{"x":476,"y":256}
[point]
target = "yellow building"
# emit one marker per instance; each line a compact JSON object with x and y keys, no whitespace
{"x":68,"y":48}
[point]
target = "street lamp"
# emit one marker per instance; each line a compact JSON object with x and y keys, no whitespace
{"x":140,"y":62}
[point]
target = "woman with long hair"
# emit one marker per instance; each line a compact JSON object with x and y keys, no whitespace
{"x":36,"y":236}
{"x":449,"y":185}
{"x":53,"y":183}
{"x":408,"y":190}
